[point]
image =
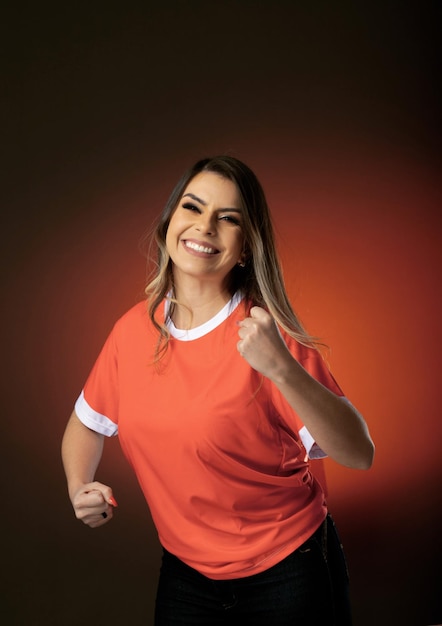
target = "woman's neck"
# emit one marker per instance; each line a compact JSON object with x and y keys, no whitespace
{"x":197,"y":306}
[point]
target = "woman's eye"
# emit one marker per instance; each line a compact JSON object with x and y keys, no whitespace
{"x":230,"y":219}
{"x":190,"y":207}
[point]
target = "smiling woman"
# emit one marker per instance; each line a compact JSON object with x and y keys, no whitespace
{"x":205,"y":241}
{"x":215,"y":372}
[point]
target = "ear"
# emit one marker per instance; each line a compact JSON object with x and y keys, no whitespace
{"x":242,"y":260}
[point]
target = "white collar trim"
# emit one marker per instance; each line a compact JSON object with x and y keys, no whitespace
{"x":207,"y":327}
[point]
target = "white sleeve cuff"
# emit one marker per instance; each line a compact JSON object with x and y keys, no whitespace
{"x":312,"y":448}
{"x":93,"y":420}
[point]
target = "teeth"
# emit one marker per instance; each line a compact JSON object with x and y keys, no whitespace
{"x":198,"y":248}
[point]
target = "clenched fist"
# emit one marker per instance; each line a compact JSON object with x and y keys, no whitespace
{"x":93,"y":504}
{"x":262,"y":345}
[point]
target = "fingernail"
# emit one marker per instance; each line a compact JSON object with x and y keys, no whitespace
{"x":113,"y":501}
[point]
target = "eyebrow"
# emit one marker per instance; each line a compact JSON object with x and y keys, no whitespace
{"x":204,"y":203}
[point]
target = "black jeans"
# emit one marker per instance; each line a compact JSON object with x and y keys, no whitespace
{"x":308,"y":588}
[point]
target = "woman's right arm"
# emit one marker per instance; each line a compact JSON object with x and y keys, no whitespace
{"x":81,"y":452}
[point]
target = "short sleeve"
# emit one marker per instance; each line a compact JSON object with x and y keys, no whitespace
{"x":97,"y":405}
{"x":313,"y":362}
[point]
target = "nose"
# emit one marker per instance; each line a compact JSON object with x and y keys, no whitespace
{"x":207,"y":223}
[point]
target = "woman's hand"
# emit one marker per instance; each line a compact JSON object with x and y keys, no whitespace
{"x":94,"y":504}
{"x":81,"y":450}
{"x":335,"y":425}
{"x":261,"y":344}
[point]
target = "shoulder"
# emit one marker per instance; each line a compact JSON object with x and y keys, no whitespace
{"x":314,"y":362}
{"x":137,"y":311}
{"x":136,"y":318}
{"x":131,"y":335}
{"x":301,"y":351}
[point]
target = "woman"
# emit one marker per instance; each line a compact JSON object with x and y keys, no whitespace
{"x":220,"y":397}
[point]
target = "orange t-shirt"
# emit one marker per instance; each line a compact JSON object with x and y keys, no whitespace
{"x":220,"y":455}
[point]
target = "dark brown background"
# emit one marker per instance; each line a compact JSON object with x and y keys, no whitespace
{"x":335,"y":107}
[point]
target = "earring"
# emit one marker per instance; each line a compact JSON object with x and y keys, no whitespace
{"x":241,"y":264}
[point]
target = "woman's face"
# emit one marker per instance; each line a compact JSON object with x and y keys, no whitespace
{"x":205,"y":236}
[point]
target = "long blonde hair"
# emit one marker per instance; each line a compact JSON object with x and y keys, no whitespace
{"x":260,"y":280}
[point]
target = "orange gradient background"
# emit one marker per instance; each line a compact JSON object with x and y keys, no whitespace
{"x":343,"y":136}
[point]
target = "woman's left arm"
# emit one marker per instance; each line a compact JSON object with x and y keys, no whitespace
{"x":336,"y":426}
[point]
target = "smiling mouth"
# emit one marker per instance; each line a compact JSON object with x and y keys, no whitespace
{"x":199,"y":248}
